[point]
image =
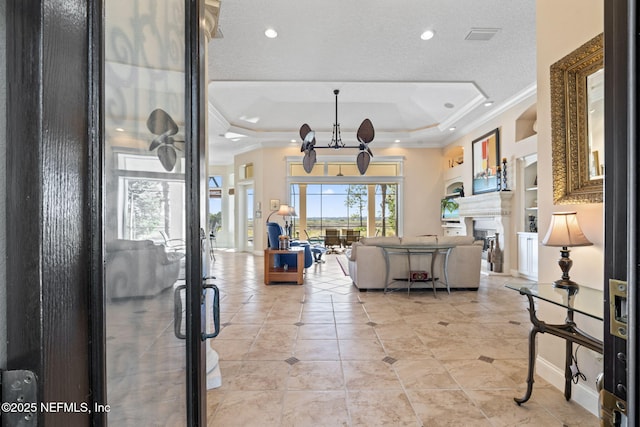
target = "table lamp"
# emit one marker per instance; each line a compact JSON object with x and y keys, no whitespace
{"x":564,"y":231}
{"x":283,"y":210}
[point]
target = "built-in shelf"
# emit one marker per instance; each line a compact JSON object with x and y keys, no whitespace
{"x":529,"y":196}
{"x":451,"y":224}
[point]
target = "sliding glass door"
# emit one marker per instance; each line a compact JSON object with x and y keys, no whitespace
{"x":152,"y":206}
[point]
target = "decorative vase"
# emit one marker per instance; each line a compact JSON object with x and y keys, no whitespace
{"x":497,"y":255}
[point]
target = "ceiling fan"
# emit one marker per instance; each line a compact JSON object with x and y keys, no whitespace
{"x":161,"y":124}
{"x":364,"y":135}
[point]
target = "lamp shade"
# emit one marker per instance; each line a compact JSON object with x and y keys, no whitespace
{"x":292,"y":211}
{"x":283,"y":210}
{"x":564,"y":230}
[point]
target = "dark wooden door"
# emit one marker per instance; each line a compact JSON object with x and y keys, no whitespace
{"x":62,"y":219}
{"x":620,"y":382}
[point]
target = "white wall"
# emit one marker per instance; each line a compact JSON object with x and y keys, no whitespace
{"x":3,"y":184}
{"x":562,"y":27}
{"x":511,"y":148}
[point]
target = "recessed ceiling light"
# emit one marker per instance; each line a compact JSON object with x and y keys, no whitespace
{"x":397,"y":140}
{"x":253,"y":120}
{"x":119,"y":130}
{"x":427,"y":35}
{"x":488,"y":103}
{"x":452,"y":128}
{"x":293,"y":140}
{"x":449,"y":105}
{"x":232,"y":135}
{"x":271,"y":33}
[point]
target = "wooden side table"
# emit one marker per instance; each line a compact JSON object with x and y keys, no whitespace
{"x":279,"y":274}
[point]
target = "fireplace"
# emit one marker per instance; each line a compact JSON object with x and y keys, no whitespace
{"x":483,"y":216}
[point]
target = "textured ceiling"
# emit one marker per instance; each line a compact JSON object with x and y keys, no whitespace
{"x":371,"y":50}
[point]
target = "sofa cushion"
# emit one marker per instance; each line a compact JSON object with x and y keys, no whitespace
{"x":353,"y":251}
{"x":381,"y":240}
{"x":421,"y":240}
{"x":455,"y":240}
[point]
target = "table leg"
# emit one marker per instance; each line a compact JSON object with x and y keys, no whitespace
{"x":568,"y":375}
{"x":386,"y":276}
{"x":446,"y":269}
{"x":410,"y":278}
{"x":433,"y":277}
{"x":532,"y":364}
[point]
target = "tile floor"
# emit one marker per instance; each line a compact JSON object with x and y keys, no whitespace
{"x":325,"y":354}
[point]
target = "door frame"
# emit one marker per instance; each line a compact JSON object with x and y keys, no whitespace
{"x":241,"y":217}
{"x":55,"y":245}
{"x":621,"y":198}
{"x":50,"y":240}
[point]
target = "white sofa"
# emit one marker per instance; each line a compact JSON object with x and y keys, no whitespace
{"x":367,"y":265}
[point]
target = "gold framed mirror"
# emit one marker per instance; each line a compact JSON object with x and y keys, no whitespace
{"x":577,"y":122}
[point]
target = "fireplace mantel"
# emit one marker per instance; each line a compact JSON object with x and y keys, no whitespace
{"x":493,"y":208}
{"x":493,"y":204}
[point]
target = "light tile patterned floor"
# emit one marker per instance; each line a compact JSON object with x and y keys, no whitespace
{"x":325,"y":354}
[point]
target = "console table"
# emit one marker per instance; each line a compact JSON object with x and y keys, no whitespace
{"x":583,"y":301}
{"x":290,"y":273}
{"x":409,"y":250}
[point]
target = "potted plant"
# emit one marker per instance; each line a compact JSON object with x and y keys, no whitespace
{"x":449,"y":204}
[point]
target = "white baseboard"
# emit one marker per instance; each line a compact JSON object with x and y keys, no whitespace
{"x":580,"y":393}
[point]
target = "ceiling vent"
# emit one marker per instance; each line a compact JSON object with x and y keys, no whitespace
{"x":481,"y":34}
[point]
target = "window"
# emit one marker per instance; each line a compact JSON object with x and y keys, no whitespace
{"x":215,"y":203}
{"x":335,"y":195}
{"x":345,"y":206}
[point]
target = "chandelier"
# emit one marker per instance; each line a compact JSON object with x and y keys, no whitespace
{"x":364,"y":135}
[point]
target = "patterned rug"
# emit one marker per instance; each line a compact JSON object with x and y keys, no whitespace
{"x":343,"y":262}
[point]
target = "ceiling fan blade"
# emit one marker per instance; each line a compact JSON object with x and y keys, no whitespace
{"x":167,"y":156}
{"x":362,"y":161}
{"x":160,"y":122}
{"x":309,"y":141}
{"x":307,"y":164}
{"x":365,"y":131}
{"x":369,"y":151}
{"x":157,"y":141}
{"x":304,"y":130}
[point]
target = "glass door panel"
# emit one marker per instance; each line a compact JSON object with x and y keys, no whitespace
{"x":145,"y":221}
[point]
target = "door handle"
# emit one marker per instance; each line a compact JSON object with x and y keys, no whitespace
{"x":177,"y":312}
{"x":215,"y":310}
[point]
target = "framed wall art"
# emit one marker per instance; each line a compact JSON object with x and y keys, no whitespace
{"x":485,"y":153}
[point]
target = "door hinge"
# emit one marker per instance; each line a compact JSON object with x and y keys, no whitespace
{"x":618,"y":308}
{"x":19,"y":399}
{"x":611,"y":409}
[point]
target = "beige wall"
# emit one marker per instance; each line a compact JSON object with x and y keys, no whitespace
{"x":562,"y":27}
{"x":423,"y":185}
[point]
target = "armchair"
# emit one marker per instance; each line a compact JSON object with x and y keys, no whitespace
{"x":317,"y":247}
{"x":351,"y":236}
{"x":274,"y":230}
{"x":332,"y":237}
